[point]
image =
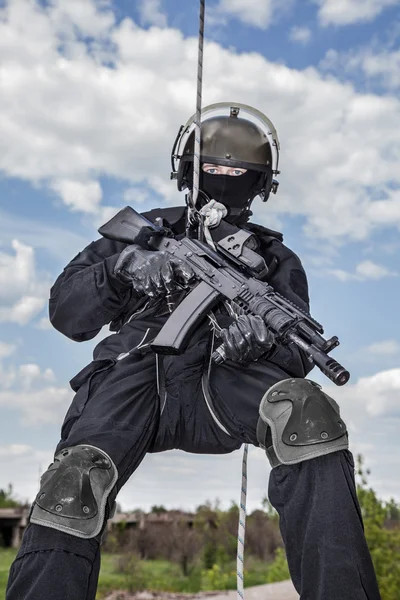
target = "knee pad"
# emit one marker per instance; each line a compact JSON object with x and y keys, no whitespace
{"x":74,"y":495}
{"x":298,"y":421}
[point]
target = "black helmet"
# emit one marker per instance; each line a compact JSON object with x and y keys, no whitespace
{"x":230,"y":140}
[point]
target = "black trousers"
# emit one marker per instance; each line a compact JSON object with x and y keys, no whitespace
{"x":117,"y":408}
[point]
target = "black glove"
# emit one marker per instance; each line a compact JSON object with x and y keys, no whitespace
{"x":152,"y":274}
{"x":247,"y":339}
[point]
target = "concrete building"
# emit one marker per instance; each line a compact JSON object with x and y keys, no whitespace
{"x":12,"y":525}
{"x":14,"y":520}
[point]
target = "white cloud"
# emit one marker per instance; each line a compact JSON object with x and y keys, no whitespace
{"x":23,"y":310}
{"x":255,"y":13}
{"x":137,"y":195}
{"x":300,"y":34}
{"x":105,"y":213}
{"x":346,"y":12}
{"x":16,"y":270}
{"x":21,"y":465}
{"x":384,"y":66}
{"x":376,"y":65}
{"x":45,"y":406}
{"x":179,"y":474}
{"x":14,"y":450}
{"x":85,"y":119}
{"x":376,"y":395}
{"x":44,"y":324}
{"x":6,"y":349}
{"x":30,"y":374}
{"x":92,"y":18}
{"x":80,"y":196}
{"x":57,"y":240}
{"x":8,"y":376}
{"x":385,"y":348}
{"x":23,"y":293}
{"x":151,"y":13}
{"x":30,"y":390}
{"x":384,"y":355}
{"x":364,"y":271}
{"x":370,"y":270}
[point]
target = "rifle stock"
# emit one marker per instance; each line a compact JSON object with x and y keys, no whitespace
{"x":130,"y":227}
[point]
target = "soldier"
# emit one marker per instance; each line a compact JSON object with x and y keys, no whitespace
{"x":129,"y":401}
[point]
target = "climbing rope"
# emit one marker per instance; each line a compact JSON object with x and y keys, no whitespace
{"x":242,"y":527}
{"x":197,"y":131}
{"x":212,"y":215}
{"x":216,"y":329}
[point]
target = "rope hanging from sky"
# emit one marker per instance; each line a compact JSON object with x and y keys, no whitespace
{"x":242,"y":528}
{"x":195,"y":195}
{"x":197,"y":132}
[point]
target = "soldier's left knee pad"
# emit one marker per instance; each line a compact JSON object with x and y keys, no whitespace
{"x":298,"y":422}
{"x":77,"y":492}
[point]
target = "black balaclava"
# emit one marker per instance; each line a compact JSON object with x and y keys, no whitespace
{"x":234,"y":191}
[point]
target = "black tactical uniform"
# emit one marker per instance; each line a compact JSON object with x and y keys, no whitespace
{"x":119,"y":408}
{"x":129,"y":401}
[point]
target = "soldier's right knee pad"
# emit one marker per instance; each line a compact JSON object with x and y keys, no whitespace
{"x":298,"y":421}
{"x":76,"y":491}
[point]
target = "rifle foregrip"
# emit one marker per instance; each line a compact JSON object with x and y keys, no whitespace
{"x":175,"y":335}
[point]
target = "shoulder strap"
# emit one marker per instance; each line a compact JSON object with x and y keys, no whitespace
{"x":266,"y":235}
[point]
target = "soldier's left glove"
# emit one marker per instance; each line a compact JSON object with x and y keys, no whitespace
{"x":247,"y":339}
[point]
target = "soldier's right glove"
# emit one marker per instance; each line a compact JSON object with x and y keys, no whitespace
{"x":153,"y":274}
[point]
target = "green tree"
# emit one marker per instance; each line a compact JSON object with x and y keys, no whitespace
{"x":278,"y":570}
{"x":158,"y":510}
{"x":7,"y":500}
{"x":392,"y":514}
{"x":383,"y":543}
{"x":206,"y":522}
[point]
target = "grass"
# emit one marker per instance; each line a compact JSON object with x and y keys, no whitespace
{"x":151,"y":575}
{"x":154,"y":575}
{"x":6,"y":558}
{"x":168,"y":577}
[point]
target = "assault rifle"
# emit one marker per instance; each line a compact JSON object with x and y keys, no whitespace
{"x":228,"y":273}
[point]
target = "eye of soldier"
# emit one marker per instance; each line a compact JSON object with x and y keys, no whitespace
{"x":211,"y":170}
{"x":221,"y":170}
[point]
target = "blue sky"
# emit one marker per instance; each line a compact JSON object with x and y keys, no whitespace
{"x":93,"y":94}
